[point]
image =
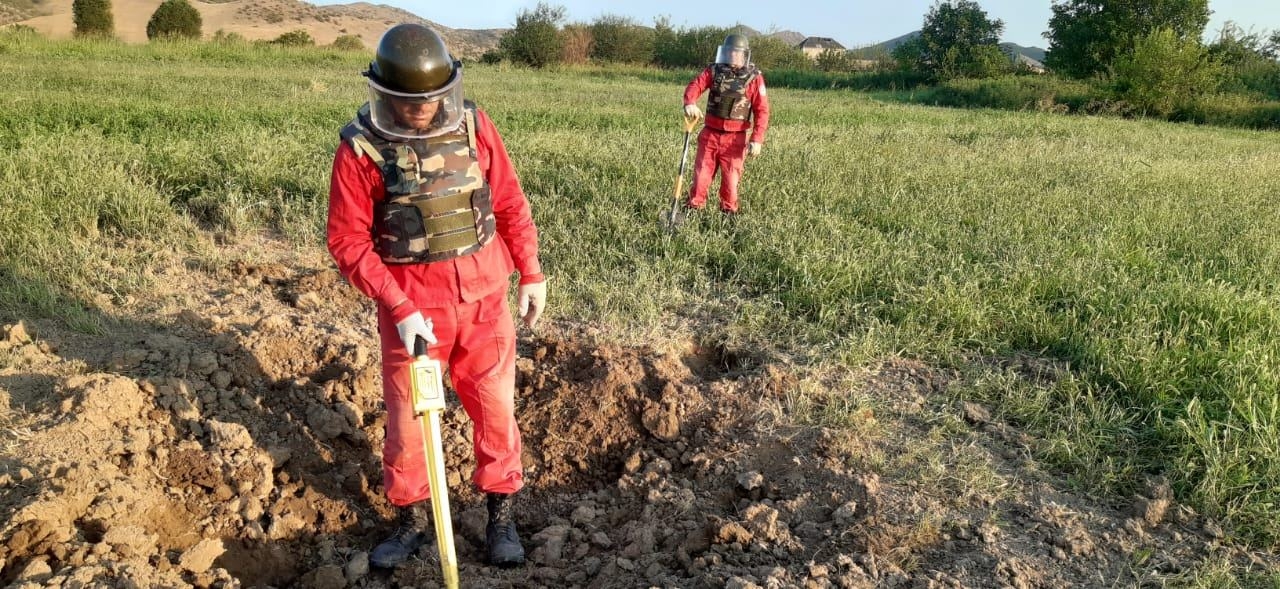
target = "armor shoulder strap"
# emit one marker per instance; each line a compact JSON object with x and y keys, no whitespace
{"x":354,"y":134}
{"x":470,"y":114}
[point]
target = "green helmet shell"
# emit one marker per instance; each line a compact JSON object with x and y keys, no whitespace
{"x":736,"y":41}
{"x":413,"y":59}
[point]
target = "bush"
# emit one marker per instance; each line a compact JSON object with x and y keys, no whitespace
{"x":686,"y":47}
{"x":348,"y":43}
{"x":618,"y":39}
{"x":771,"y":53}
{"x":296,"y":38}
{"x":24,"y":31}
{"x":1249,"y":60}
{"x":1165,"y":72}
{"x":174,"y":19}
{"x":535,"y":39}
{"x":836,"y":60}
{"x":576,"y":43}
{"x":92,"y":18}
{"x":1040,"y":93}
{"x":491,"y":57}
{"x":228,"y":38}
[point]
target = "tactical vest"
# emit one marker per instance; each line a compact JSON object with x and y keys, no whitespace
{"x":437,"y":205}
{"x":727,"y":98}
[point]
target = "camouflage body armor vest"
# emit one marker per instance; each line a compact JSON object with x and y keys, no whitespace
{"x":437,"y":205}
{"x":728,"y":96}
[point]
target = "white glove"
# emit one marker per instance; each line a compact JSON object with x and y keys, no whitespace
{"x":753,"y":149}
{"x":532,"y":299}
{"x":691,"y":110}
{"x":412,"y":327}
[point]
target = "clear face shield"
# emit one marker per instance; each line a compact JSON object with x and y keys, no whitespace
{"x":417,"y":116}
{"x":733,"y":56}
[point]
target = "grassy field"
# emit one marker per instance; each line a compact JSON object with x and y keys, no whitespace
{"x":1141,"y":257}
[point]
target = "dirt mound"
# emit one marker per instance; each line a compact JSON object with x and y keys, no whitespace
{"x":235,"y":442}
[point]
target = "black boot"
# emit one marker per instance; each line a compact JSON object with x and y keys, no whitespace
{"x":500,"y":538}
{"x":413,"y":531}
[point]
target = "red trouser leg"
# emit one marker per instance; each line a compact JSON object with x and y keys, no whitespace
{"x":704,"y":169}
{"x":478,"y":339}
{"x":733,"y":152}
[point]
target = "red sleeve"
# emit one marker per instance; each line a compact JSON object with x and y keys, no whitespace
{"x":354,"y":185}
{"x":510,"y":207}
{"x":694,"y":90}
{"x":759,"y":108}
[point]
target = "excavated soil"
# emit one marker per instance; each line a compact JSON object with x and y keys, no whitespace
{"x":227,"y":434}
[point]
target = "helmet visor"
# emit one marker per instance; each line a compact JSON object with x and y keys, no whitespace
{"x":405,"y":115}
{"x":733,"y":56}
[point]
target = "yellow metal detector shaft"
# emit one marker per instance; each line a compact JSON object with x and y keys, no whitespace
{"x":690,"y":123}
{"x":428,"y":403}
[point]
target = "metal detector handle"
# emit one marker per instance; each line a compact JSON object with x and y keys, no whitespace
{"x":419,"y":346}
{"x":690,"y":123}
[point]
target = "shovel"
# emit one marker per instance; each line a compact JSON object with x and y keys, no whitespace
{"x":674,"y":217}
{"x":428,"y":403}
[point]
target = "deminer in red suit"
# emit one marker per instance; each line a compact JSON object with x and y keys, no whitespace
{"x":736,"y":96}
{"x":426,"y":217}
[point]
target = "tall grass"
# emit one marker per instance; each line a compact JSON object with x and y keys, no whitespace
{"x":1142,"y":256}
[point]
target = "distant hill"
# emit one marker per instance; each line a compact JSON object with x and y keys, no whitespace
{"x":1015,"y":49}
{"x":254,"y":19}
{"x":883,"y":47}
{"x":791,"y":38}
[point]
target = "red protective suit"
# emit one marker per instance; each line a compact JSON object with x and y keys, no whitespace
{"x":464,"y":298}
{"x":723,"y":143}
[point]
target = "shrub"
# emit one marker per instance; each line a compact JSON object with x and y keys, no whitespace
{"x":771,"y":54}
{"x":296,"y":38}
{"x":92,"y":18}
{"x":348,"y":43}
{"x":174,"y":19}
{"x":1165,"y":72}
{"x":535,"y":40}
{"x":228,"y":38}
{"x":619,"y":39}
{"x":576,"y":43}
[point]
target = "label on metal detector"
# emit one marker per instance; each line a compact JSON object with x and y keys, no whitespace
{"x":428,"y":386}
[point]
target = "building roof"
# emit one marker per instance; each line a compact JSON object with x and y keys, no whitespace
{"x":820,"y":43}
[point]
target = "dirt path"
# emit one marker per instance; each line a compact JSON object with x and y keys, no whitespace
{"x":227,"y":434}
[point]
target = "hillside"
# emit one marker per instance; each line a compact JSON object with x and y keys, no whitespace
{"x":254,"y":19}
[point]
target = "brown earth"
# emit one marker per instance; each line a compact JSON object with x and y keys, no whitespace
{"x":227,"y":432}
{"x":253,"y":19}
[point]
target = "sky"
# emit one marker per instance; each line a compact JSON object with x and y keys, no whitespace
{"x":853,"y":23}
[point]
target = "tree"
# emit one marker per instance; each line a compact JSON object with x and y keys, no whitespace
{"x":174,"y":19}
{"x":1165,"y":71}
{"x":93,"y":18}
{"x":1086,"y":36}
{"x":956,"y":40}
{"x":620,"y":39}
{"x":535,"y":39}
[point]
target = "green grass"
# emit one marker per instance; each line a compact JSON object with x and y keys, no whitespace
{"x":1142,"y":255}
